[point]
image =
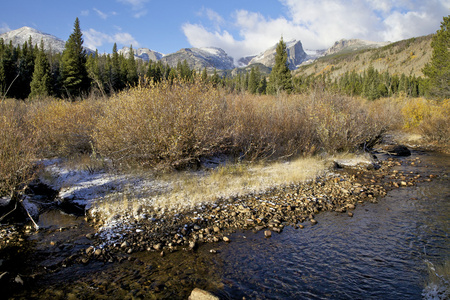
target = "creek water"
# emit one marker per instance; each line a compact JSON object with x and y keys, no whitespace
{"x":382,"y":252}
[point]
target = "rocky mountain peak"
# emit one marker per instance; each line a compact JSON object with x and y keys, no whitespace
{"x":353,"y":45}
{"x":199,"y":58}
{"x":142,"y":53}
{"x":296,"y":55}
{"x":23,"y":34}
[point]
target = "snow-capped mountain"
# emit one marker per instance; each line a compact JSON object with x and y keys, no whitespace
{"x":22,"y":35}
{"x":199,"y":58}
{"x":296,"y":55}
{"x":353,"y":45}
{"x":312,"y":55}
{"x":142,"y":53}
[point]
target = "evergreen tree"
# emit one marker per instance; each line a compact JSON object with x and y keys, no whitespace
{"x":253,"y":81}
{"x":41,"y":83}
{"x":280,"y":77}
{"x":172,"y":75}
{"x":75,"y":79}
{"x":438,"y":69}
{"x":215,"y":78}
{"x":116,"y":81}
{"x":262,"y":86}
{"x":25,"y":67}
{"x":204,"y":75}
{"x":132,"y":75}
{"x":94,"y":72}
{"x":8,"y":72}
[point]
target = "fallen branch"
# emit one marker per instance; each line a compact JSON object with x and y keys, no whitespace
{"x":36,"y":226}
{"x":5,"y":215}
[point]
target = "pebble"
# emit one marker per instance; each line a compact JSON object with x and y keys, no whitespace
{"x":267,"y":233}
{"x":272,"y":210}
{"x":89,"y":250}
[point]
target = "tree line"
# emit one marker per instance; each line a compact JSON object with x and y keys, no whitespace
{"x":371,"y":84}
{"x":28,"y":71}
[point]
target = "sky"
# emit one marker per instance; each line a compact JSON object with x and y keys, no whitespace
{"x":240,"y":27}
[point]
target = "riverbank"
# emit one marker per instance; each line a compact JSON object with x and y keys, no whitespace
{"x":341,"y":189}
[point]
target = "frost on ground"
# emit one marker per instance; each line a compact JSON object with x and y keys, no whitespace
{"x":117,"y":199}
{"x":87,"y":187}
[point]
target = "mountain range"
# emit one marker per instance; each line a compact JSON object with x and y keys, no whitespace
{"x":199,"y":58}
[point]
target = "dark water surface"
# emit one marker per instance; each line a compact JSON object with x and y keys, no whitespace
{"x":379,"y":253}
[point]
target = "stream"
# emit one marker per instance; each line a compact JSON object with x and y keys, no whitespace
{"x":383,"y":252}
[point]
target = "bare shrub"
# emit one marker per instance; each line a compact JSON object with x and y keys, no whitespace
{"x":17,"y":148}
{"x":270,"y":126}
{"x":435,"y":126}
{"x":163,"y":124}
{"x":344,"y":123}
{"x":63,"y":128}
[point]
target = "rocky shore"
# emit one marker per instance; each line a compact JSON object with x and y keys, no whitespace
{"x":295,"y":205}
{"x":341,"y":190}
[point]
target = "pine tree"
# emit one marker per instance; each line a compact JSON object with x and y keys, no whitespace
{"x":438,"y":69}
{"x":280,"y":78}
{"x":42,"y":81}
{"x":25,"y":67}
{"x":8,"y":72}
{"x":116,"y":75}
{"x":75,"y":79}
{"x":204,"y":75}
{"x":94,"y":73}
{"x":262,"y":87}
{"x":215,"y":79}
{"x":132,"y":76}
{"x":253,"y":81}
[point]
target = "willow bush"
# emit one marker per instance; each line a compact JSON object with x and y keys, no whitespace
{"x":17,"y":148}
{"x":163,"y":124}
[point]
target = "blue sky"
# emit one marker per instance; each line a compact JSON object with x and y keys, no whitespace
{"x":241,"y":28}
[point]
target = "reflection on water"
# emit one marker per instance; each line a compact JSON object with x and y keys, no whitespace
{"x":380,"y":253}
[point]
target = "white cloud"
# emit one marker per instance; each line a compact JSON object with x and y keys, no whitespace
{"x":4,"y":28}
{"x":140,"y":14}
{"x":101,"y":14}
{"x":137,"y":6}
{"x":125,"y":39}
{"x":94,"y":39}
{"x":104,"y":15}
{"x":213,"y":16}
{"x":85,"y":13}
{"x":318,"y":24}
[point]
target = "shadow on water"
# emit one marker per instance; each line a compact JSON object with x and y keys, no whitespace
{"x":379,"y":253}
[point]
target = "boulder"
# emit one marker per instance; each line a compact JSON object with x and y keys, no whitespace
{"x":198,"y":294}
{"x":398,"y":150}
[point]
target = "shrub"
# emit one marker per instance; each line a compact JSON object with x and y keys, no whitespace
{"x":344,"y":123}
{"x":63,"y":128}
{"x":414,"y":111}
{"x":435,"y":126}
{"x":270,"y":126}
{"x":163,"y":124}
{"x":17,"y":148}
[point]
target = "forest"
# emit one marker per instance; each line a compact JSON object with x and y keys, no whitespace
{"x":28,"y":71}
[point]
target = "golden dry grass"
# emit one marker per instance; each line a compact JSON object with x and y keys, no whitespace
{"x":17,"y":148}
{"x":171,"y":126}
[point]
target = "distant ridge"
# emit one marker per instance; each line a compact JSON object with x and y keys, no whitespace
{"x":22,"y":35}
{"x":208,"y":57}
